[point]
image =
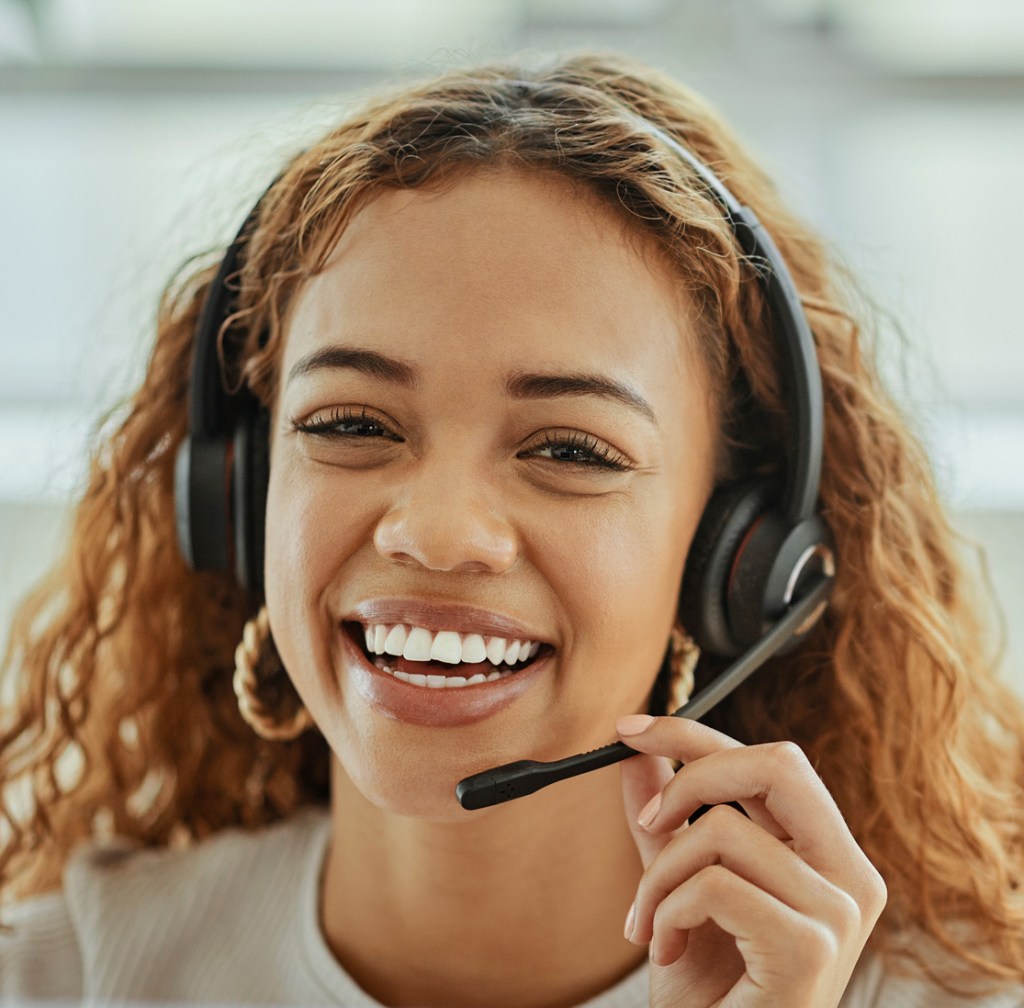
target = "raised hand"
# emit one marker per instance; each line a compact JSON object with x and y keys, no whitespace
{"x":742,"y":911}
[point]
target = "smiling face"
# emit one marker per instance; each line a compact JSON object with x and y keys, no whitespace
{"x":492,"y":425}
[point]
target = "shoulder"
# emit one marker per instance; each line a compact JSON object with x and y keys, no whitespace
{"x":879,"y":982}
{"x":39,"y":955}
{"x":149,"y":921}
{"x":122,"y":871}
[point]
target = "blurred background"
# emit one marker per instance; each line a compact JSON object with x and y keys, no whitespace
{"x":135,"y":133}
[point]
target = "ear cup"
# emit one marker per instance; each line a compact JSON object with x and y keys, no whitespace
{"x":220,"y":455}
{"x":732,"y":511}
{"x":251,"y":472}
{"x":747,"y":600}
{"x":768,"y":573}
{"x":201,"y":501}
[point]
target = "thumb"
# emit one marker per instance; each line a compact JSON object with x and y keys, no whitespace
{"x":643,"y":776}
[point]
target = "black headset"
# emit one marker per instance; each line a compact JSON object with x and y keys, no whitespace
{"x":756,"y":539}
{"x":223,"y":465}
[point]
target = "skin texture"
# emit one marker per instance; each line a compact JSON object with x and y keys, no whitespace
{"x":444,"y":488}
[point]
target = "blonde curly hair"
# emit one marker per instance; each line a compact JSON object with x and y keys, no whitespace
{"x":122,"y":657}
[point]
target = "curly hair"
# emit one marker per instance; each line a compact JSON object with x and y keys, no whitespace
{"x":124,"y":719}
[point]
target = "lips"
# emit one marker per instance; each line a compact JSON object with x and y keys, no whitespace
{"x":434,"y":615}
{"x":435,"y":664}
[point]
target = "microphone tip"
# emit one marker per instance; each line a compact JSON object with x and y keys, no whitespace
{"x":500,"y":784}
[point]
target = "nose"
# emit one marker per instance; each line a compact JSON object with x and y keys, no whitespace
{"x":448,"y":525}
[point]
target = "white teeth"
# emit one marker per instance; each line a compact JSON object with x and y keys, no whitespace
{"x":417,"y":647}
{"x":394,"y":643}
{"x":447,"y":647}
{"x":419,"y":644}
{"x":495,"y":650}
{"x":440,"y":681}
{"x":473,"y":649}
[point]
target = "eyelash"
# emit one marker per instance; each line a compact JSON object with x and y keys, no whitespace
{"x":327,"y":425}
{"x":601,"y":456}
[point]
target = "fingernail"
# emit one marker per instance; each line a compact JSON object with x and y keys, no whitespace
{"x":628,"y":933}
{"x":633,"y":724}
{"x":649,"y":811}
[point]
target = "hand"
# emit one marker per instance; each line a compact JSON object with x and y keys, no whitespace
{"x":742,"y":912}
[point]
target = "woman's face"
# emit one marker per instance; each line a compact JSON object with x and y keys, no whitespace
{"x":491,"y":426}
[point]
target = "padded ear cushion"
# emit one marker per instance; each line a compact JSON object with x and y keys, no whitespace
{"x":769,"y":573}
{"x":251,"y":472}
{"x":748,"y":605}
{"x":200,"y":502}
{"x":703,"y":600}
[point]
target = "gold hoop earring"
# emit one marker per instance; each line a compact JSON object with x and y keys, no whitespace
{"x":266,"y":697}
{"x":683,"y":655}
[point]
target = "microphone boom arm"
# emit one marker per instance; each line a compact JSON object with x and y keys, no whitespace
{"x":523,"y":777}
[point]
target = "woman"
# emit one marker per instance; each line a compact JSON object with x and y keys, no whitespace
{"x":505,"y":345}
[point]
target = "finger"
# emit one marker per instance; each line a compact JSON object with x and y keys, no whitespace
{"x":642,"y":778}
{"x":778,"y":944}
{"x":726,"y":837}
{"x":793,"y":795}
{"x":698,"y":741}
{"x":778,"y":774}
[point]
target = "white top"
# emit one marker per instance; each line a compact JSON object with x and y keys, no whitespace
{"x":234,"y":920}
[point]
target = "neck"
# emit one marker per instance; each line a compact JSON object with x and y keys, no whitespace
{"x":449,"y":913}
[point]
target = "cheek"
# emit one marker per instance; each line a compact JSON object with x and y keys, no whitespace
{"x":307,"y":541}
{"x":293,"y":533}
{"x":620,"y":577}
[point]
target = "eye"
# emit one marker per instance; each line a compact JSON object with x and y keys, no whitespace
{"x":581,"y":451}
{"x":346,"y":422}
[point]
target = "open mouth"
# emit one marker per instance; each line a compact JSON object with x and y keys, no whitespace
{"x":443,"y":659}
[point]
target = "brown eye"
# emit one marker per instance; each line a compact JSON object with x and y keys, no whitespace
{"x":346,"y":422}
{"x":580,"y":450}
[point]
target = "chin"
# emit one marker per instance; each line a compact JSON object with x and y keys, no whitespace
{"x":409,"y":784}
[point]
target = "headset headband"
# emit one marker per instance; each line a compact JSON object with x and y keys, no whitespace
{"x":800,"y":373}
{"x":222,"y":469}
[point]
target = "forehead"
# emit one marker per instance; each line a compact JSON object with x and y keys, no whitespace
{"x":500,"y":265}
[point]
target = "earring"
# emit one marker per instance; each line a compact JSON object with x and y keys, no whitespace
{"x":266,"y":696}
{"x":683,"y":655}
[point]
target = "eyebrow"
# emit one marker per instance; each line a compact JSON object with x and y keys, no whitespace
{"x":369,"y":362}
{"x":518,"y":385}
{"x":551,"y":386}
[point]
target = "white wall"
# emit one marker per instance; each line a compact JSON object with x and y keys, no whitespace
{"x":115,"y":168}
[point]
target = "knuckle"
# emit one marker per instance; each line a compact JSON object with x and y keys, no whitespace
{"x":713,"y":882}
{"x":716,"y":821}
{"x":869,"y":894}
{"x":819,"y":946}
{"x":877,"y":893}
{"x":788,"y":755}
{"x":848,"y":913}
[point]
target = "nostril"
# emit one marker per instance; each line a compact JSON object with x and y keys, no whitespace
{"x":452,"y":537}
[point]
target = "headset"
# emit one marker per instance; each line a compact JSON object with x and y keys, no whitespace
{"x":761,"y":564}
